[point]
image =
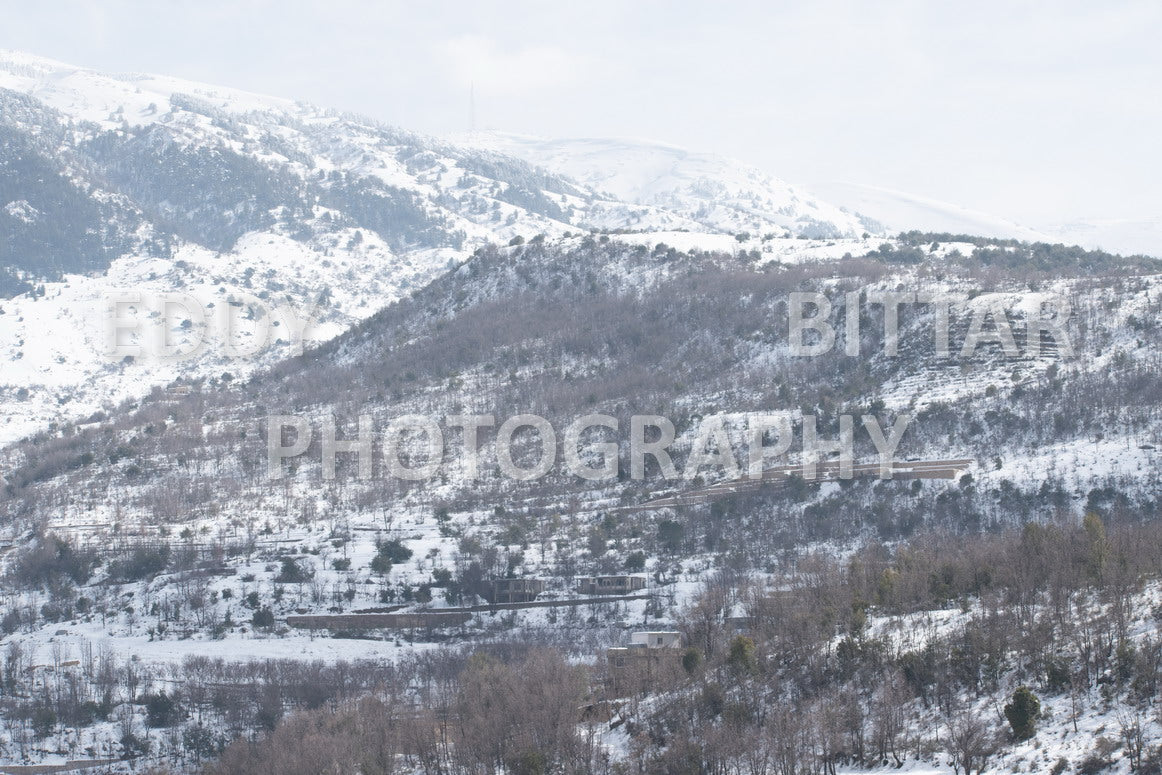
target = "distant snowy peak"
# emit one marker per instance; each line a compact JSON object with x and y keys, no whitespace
{"x":1118,"y":235}
{"x":718,"y":193}
{"x":900,"y":211}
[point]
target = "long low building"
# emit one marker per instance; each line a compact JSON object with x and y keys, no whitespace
{"x":610,"y":585}
{"x":403,"y":621}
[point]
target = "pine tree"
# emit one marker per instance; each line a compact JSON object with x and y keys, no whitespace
{"x":1022,"y":712}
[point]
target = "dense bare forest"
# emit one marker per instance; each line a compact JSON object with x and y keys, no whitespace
{"x":825,"y":665}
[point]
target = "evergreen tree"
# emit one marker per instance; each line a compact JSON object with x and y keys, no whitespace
{"x":1022,"y":712}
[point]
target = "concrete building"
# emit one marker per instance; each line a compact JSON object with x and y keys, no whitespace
{"x":649,"y":656}
{"x":610,"y":585}
{"x":515,"y":590}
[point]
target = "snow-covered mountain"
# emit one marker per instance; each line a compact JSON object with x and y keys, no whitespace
{"x":113,"y":182}
{"x":720,"y":194}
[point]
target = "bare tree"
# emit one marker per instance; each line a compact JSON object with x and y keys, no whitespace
{"x":970,"y":744}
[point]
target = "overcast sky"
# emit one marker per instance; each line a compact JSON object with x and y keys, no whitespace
{"x":1038,"y":112}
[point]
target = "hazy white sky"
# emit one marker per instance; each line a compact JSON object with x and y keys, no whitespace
{"x":1037,"y":111}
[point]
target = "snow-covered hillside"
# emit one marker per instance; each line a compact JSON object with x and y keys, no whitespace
{"x":149,"y":544}
{"x":59,"y":362}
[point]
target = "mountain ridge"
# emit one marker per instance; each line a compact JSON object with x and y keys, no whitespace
{"x":720,"y":193}
{"x":105,"y":175}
